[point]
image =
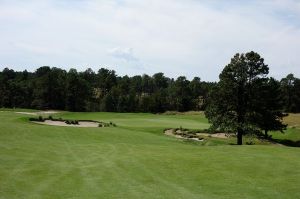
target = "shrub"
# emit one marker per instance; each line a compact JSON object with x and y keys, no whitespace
{"x":41,"y":119}
{"x":112,"y":124}
{"x":50,"y":117}
{"x":75,"y":122}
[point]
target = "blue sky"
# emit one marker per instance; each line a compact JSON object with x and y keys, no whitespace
{"x":176,"y":37}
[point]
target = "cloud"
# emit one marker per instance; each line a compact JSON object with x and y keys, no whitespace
{"x":191,"y":38}
{"x":123,"y":53}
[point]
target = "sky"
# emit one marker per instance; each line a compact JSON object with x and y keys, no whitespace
{"x":177,"y":37}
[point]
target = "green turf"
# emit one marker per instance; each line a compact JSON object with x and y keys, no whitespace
{"x":136,"y":160}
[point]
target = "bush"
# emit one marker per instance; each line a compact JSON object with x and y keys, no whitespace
{"x":41,"y":119}
{"x":75,"y":122}
{"x":50,"y":117}
{"x":112,"y":124}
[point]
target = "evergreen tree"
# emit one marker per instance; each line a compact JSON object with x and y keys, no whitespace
{"x":54,"y":88}
{"x":290,"y":93}
{"x":232,"y":101}
{"x":77,"y":92}
{"x":42,"y":88}
{"x":269,"y":108}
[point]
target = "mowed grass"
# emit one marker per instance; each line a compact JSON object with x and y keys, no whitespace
{"x":136,"y":160}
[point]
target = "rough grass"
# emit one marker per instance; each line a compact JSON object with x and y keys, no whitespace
{"x":135,"y":160}
{"x":293,"y":120}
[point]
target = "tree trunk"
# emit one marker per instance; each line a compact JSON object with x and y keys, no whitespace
{"x":240,"y":113}
{"x":266,"y":134}
{"x":240,"y":136}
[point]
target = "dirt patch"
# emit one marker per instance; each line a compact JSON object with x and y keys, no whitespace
{"x":62,"y":123}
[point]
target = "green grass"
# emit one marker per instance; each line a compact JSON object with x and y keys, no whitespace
{"x":136,"y":160}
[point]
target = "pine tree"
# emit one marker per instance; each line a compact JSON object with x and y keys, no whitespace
{"x":231,"y":103}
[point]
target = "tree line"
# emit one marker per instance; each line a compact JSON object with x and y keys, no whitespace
{"x":55,"y":88}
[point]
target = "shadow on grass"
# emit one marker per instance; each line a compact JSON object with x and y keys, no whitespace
{"x":286,"y":142}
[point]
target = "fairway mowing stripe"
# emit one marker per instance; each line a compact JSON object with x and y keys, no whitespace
{"x":174,"y":187}
{"x":80,"y":164}
{"x":48,"y":182}
{"x":20,"y":167}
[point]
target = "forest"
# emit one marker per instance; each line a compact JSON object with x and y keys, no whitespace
{"x":104,"y":90}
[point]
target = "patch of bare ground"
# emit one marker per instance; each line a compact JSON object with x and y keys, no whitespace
{"x":62,"y":123}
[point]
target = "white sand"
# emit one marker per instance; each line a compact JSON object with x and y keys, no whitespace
{"x":38,"y":113}
{"x":170,"y":132}
{"x":62,"y":123}
{"x":214,"y":135}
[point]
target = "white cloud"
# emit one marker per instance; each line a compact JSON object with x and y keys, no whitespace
{"x":192,"y":38}
{"x":123,"y":53}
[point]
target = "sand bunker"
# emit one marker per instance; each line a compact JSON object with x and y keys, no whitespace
{"x":197,"y":137}
{"x":62,"y":123}
{"x":27,"y":113}
{"x":38,"y":113}
{"x":170,"y":132}
{"x":214,"y":135}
